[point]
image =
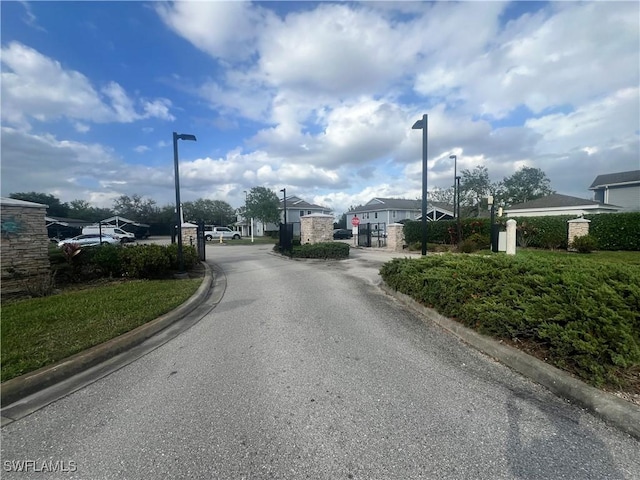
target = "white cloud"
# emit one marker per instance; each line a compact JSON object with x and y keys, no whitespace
{"x":37,"y":87}
{"x":141,"y":149}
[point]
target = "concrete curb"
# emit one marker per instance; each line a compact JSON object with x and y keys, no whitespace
{"x":616,"y":411}
{"x":19,"y":387}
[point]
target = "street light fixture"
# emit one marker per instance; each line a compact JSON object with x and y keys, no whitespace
{"x":176,"y":137}
{"x":422,"y":125}
{"x":284,"y":194}
{"x":455,"y":175}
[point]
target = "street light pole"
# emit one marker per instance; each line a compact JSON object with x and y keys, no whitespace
{"x":284,"y":194}
{"x":455,"y":175}
{"x":176,"y":137}
{"x":457,"y":207}
{"x":422,"y":125}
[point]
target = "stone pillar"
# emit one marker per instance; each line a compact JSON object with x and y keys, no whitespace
{"x":24,"y":246}
{"x":511,"y":237}
{"x":578,"y":227}
{"x":190,"y":234}
{"x":316,"y":228}
{"x":395,"y":237}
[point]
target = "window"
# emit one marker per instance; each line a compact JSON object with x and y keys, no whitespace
{"x":302,"y":213}
{"x":394,"y":214}
{"x":308,"y":212}
{"x":375,"y":215}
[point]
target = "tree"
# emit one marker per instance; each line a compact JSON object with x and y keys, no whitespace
{"x":82,"y":210}
{"x":525,"y":185}
{"x":213,"y":212}
{"x":474,"y":186}
{"x":263,"y":205}
{"x":135,"y":208}
{"x":56,"y":208}
{"x":441,"y":196}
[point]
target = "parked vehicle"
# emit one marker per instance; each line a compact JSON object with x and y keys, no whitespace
{"x":90,"y":240}
{"x":342,"y":233}
{"x":213,"y":233}
{"x":113,"y":231}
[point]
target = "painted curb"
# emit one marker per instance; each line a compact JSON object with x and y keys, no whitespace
{"x":19,"y":387}
{"x":616,"y":411}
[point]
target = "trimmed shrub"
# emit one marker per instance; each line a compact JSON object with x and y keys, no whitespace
{"x":584,"y":244}
{"x":327,"y":250}
{"x":616,"y":231}
{"x":584,"y":315}
{"x":189,"y":256}
{"x":145,"y":261}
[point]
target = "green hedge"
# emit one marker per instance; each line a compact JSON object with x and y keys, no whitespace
{"x":132,"y":261}
{"x":612,"y":231}
{"x":327,"y":250}
{"x":584,"y":313}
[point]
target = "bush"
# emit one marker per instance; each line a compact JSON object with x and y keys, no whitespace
{"x":616,"y":231}
{"x":327,"y":250}
{"x":189,"y":256}
{"x":145,"y":261}
{"x":584,"y":315}
{"x":584,"y":244}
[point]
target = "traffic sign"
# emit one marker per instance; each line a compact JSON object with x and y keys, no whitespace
{"x":355,"y":221}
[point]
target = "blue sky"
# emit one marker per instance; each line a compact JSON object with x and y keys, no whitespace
{"x":317,"y":97}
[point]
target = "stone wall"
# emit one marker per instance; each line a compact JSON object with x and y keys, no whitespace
{"x":395,"y":237}
{"x":190,"y":235}
{"x":316,"y":228}
{"x":24,"y":246}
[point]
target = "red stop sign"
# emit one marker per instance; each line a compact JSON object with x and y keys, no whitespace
{"x":355,"y":221}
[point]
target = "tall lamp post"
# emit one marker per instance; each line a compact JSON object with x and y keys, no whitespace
{"x":492,"y":231}
{"x":457,"y":207}
{"x":455,"y":175}
{"x":176,"y":137}
{"x":284,"y":195}
{"x":422,"y":125}
{"x":246,"y":200}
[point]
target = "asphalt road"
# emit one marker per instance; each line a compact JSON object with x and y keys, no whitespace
{"x":306,"y":370}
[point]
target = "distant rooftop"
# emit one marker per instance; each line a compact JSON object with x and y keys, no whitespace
{"x":555,"y":200}
{"x":619,"y":178}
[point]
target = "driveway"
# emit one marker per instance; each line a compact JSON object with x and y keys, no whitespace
{"x":306,"y":370}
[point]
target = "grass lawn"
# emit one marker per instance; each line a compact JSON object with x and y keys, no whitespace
{"x":40,"y":331}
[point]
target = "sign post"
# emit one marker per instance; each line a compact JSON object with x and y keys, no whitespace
{"x":355,"y":221}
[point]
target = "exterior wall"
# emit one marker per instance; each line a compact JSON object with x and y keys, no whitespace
{"x":577,"y":211}
{"x":24,"y":247}
{"x":395,"y":237}
{"x":627,"y":197}
{"x":316,"y":228}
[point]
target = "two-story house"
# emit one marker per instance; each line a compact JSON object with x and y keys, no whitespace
{"x":621,"y":189}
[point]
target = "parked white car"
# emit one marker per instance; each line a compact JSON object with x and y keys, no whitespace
{"x":213,"y":233}
{"x":90,"y":240}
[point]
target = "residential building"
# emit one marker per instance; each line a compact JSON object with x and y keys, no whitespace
{"x":622,"y":189}
{"x":394,"y":210}
{"x":558,"y":204}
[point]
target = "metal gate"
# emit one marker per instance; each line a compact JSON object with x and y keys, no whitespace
{"x":372,"y":235}
{"x":201,"y":241}
{"x":286,"y":237}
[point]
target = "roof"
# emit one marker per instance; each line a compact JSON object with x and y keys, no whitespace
{"x":620,"y":178}
{"x":21,"y":203}
{"x":66,"y":222}
{"x":379,"y":204}
{"x":297,"y":202}
{"x":118,"y":220}
{"x":556,"y":200}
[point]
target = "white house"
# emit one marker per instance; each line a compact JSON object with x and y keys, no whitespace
{"x":394,"y":210}
{"x":558,"y":204}
{"x":622,"y":189}
{"x":296,"y":208}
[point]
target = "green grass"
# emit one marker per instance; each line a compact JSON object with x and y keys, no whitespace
{"x":41,"y":331}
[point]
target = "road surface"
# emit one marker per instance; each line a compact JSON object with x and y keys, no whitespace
{"x":306,"y":370}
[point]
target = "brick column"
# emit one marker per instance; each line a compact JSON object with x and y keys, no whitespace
{"x":316,"y":228}
{"x":395,"y":237}
{"x":578,"y":227}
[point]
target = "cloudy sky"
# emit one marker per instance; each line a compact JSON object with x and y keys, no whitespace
{"x":315,"y":97}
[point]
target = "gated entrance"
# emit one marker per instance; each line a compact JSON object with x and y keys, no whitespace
{"x":372,"y":235}
{"x":286,"y":237}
